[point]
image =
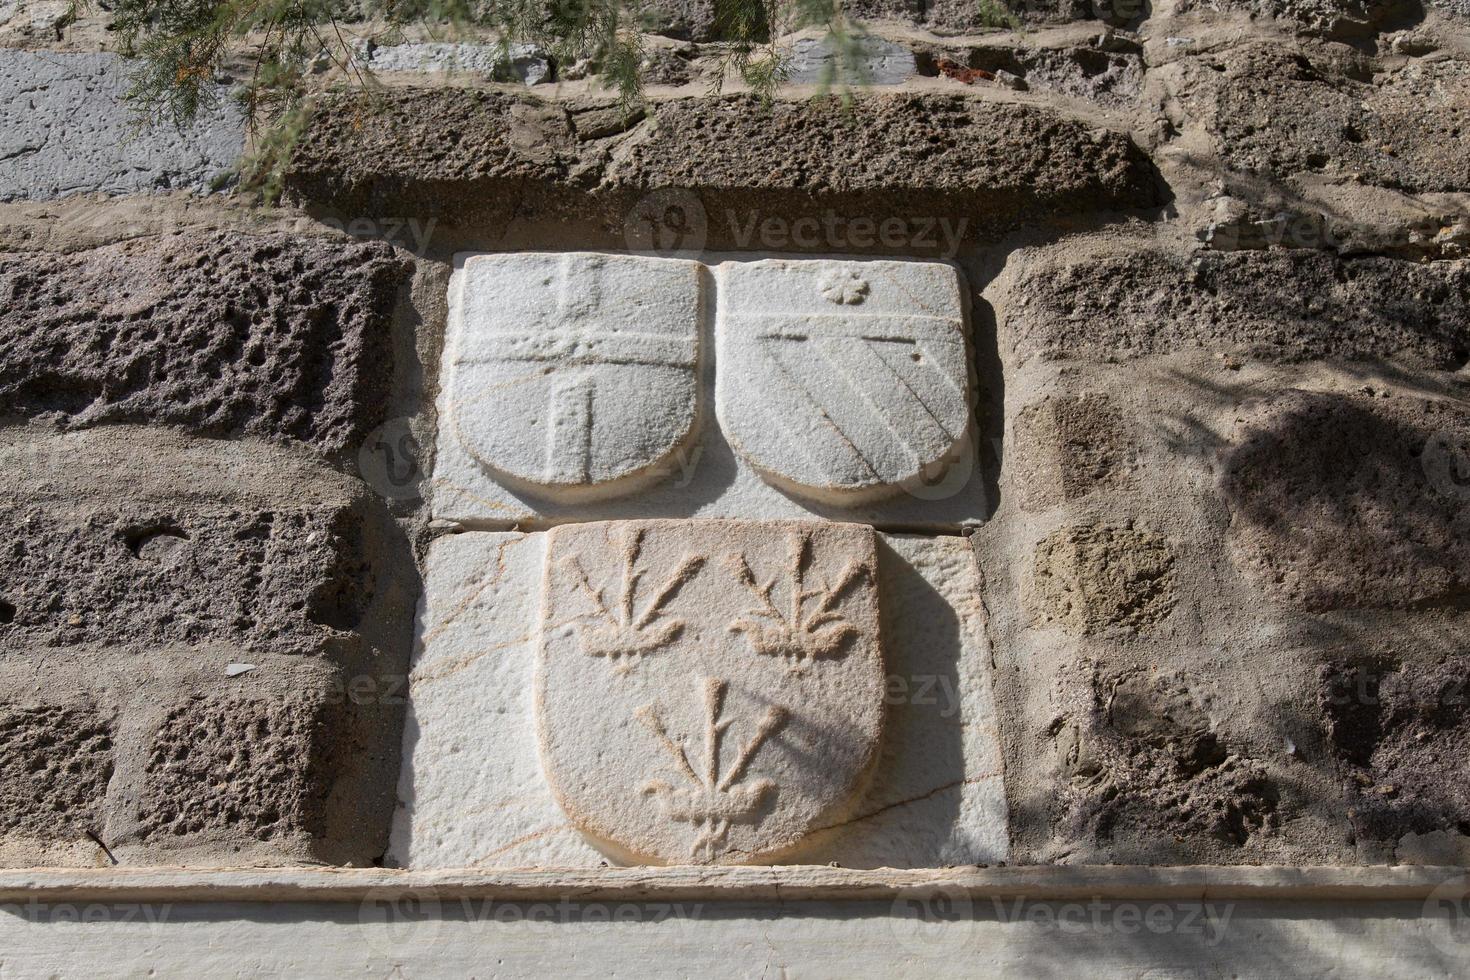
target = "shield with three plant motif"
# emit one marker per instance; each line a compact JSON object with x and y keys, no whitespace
{"x":708,"y":691}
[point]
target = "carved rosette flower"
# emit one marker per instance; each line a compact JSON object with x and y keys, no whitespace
{"x":845,"y":288}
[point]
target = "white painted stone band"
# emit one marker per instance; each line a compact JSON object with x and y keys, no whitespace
{"x":790,"y":883}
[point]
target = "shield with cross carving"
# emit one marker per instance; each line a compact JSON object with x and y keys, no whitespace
{"x":708,"y":691}
{"x":848,"y":379}
{"x":573,"y":371}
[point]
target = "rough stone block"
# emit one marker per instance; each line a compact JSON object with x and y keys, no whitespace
{"x":1156,"y":774}
{"x":65,"y":129}
{"x":1276,"y":306}
{"x":916,"y":156}
{"x":606,"y":668}
{"x":56,"y":759}
{"x":1338,"y":20}
{"x":1350,"y":501}
{"x":1066,"y":447}
{"x":243,"y":771}
{"x":902,"y":152}
{"x":1390,"y":722}
{"x":223,"y":334}
{"x":1108,"y":70}
{"x":1094,"y":578}
{"x":289,"y":580}
{"x":1285,"y":112}
{"x":135,"y":538}
{"x":621,"y":376}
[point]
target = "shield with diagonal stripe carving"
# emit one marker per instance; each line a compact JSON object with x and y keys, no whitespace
{"x":843,"y":378}
{"x":573,"y":371}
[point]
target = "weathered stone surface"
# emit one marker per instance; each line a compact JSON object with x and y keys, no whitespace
{"x":223,"y":334}
{"x":229,"y":766}
{"x":986,"y":156}
{"x":904,"y":155}
{"x":1391,"y":721}
{"x":288,"y":580}
{"x":697,"y":20}
{"x":1335,"y":502}
{"x":1280,"y":112}
{"x":178,"y":759}
{"x":572,"y":372}
{"x":689,"y":20}
{"x":1065,"y":447}
{"x":64,"y":129}
{"x":1277,"y":306}
{"x":815,"y":61}
{"x":1338,"y":20}
{"x":961,"y":17}
{"x":55,"y":763}
{"x":473,"y":791}
{"x":647,"y":444}
{"x":519,"y":62}
{"x":1108,"y":70}
{"x":143,"y":568}
{"x":1090,"y":579}
{"x":843,"y":379}
{"x":659,"y":637}
{"x":1151,"y":776}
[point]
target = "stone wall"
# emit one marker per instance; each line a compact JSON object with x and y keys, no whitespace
{"x":1161,"y":557}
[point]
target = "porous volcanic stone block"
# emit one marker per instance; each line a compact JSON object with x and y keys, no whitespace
{"x":288,"y":580}
{"x":223,"y":334}
{"x":65,"y":129}
{"x":1155,"y":777}
{"x":902,"y":156}
{"x":56,"y":760}
{"x":984,"y":156}
{"x":1092,"y":578}
{"x":1068,"y":446}
{"x":627,"y":604}
{"x":1284,"y":112}
{"x":1391,"y":721}
{"x":243,"y":770}
{"x":1278,"y":306}
{"x":1338,"y":20}
{"x":1348,"y":501}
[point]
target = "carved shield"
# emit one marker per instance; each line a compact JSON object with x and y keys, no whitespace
{"x":573,"y":371}
{"x":843,"y":379}
{"x":708,"y":691}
